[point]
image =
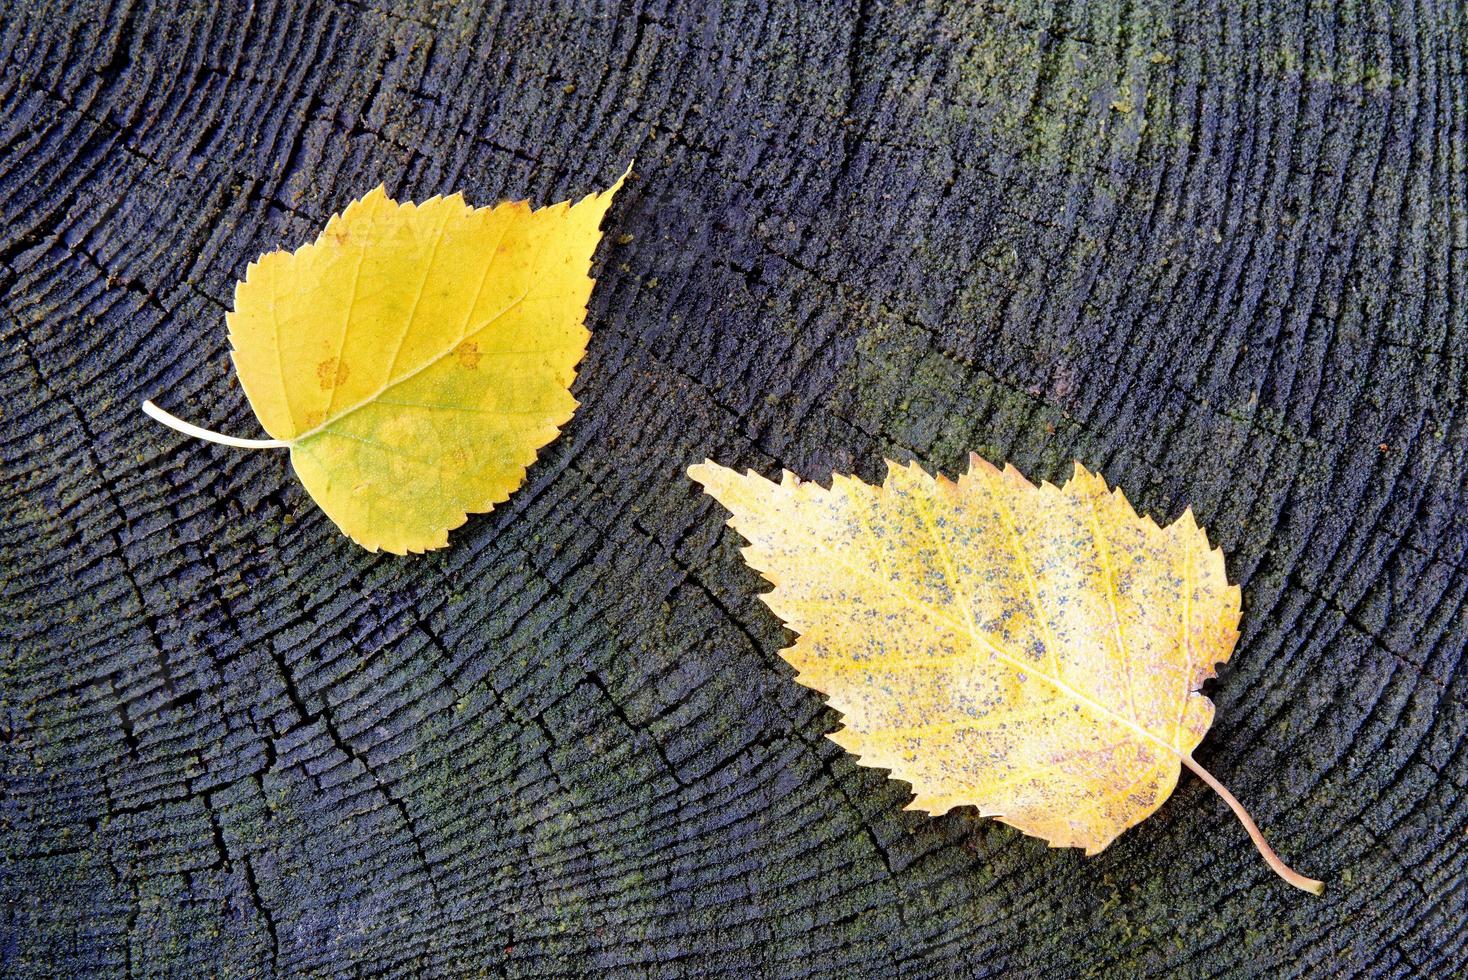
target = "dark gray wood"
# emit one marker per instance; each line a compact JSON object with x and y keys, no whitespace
{"x":1215,"y":250}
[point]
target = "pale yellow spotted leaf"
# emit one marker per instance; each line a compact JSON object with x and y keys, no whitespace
{"x":414,"y":358}
{"x":1035,"y":652}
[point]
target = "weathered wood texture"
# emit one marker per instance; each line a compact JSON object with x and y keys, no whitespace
{"x":1216,"y":250}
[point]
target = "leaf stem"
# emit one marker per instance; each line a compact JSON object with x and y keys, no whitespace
{"x":189,"y":429}
{"x":1272,"y":859}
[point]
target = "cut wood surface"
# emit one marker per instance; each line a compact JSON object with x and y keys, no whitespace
{"x":1216,"y":252}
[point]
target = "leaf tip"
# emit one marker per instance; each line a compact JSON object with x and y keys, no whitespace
{"x":714,"y":479}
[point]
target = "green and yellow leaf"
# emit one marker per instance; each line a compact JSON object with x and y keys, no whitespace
{"x":414,"y":358}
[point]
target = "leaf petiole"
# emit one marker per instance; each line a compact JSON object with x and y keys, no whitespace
{"x":1272,"y":859}
{"x":189,"y":429}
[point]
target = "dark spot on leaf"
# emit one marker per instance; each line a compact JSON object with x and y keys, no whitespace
{"x":331,"y":373}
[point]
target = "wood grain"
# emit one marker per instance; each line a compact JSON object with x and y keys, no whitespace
{"x":1214,"y":251}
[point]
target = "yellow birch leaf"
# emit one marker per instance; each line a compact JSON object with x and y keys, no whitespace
{"x":1035,"y":652}
{"x":414,"y":358}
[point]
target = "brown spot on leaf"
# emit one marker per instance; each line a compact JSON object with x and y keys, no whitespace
{"x":312,"y":419}
{"x":469,"y":355}
{"x":331,"y":373}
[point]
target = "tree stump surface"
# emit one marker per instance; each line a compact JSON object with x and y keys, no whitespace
{"x":1216,"y":251}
